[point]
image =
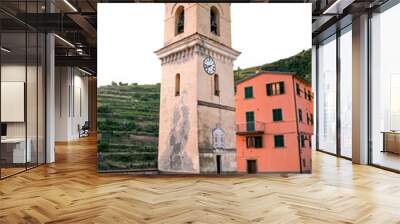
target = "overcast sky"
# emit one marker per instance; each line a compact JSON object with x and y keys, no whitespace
{"x":128,"y":35}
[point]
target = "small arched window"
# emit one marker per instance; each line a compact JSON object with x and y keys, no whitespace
{"x":216,"y":85}
{"x":177,"y":84}
{"x":180,"y":20}
{"x":214,"y":20}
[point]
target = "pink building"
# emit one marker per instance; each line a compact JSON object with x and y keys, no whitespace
{"x":274,"y":115}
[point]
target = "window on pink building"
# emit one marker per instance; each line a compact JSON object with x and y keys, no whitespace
{"x":275,"y":88}
{"x":277,"y":114}
{"x":254,"y":142}
{"x":279,"y":141}
{"x":300,"y":115}
{"x":298,"y":90}
{"x":248,"y":92}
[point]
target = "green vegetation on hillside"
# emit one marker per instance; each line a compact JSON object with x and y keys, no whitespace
{"x":127,"y":118}
{"x":299,"y":64}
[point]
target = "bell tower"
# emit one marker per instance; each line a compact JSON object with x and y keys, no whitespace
{"x":197,"y":114}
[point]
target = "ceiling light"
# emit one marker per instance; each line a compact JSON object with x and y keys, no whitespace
{"x":84,"y":71}
{"x":79,"y":51}
{"x":338,"y":6}
{"x":5,"y":50}
{"x":64,"y":40}
{"x":70,"y":5}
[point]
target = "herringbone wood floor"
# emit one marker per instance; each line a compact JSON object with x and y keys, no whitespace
{"x":70,"y":191}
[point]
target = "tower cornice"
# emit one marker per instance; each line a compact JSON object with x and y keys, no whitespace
{"x":196,"y":44}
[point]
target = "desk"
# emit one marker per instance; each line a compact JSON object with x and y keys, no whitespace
{"x":15,"y":148}
{"x":391,"y":141}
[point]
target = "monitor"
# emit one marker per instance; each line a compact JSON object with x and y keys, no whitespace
{"x":3,"y":129}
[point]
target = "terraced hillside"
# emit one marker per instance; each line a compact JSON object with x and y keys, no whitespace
{"x":127,"y":117}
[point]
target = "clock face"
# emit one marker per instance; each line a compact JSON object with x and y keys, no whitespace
{"x":209,"y":65}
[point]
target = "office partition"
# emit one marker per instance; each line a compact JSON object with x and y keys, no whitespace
{"x":22,"y":77}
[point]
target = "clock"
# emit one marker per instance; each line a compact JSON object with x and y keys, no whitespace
{"x":209,"y":65}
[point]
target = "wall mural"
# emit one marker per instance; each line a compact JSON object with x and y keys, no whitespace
{"x":175,"y":158}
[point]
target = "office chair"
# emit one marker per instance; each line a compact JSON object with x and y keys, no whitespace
{"x":84,"y":130}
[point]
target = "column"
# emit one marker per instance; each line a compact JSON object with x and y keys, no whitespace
{"x":360,"y":90}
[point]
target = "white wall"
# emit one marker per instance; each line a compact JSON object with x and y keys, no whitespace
{"x":71,"y":102}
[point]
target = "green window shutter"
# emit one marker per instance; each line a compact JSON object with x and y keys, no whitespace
{"x":248,"y":92}
{"x":250,"y":124}
{"x":298,"y":89}
{"x":279,"y":141}
{"x":269,"y":90}
{"x":282,"y":87}
{"x":258,"y":142}
{"x":300,"y":116}
{"x":277,"y":114}
{"x":250,"y":116}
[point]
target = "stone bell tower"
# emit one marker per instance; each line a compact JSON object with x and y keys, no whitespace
{"x":197,"y":114}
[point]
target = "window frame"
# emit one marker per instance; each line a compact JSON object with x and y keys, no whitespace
{"x":251,"y":142}
{"x":274,"y":111}
{"x":300,"y":114}
{"x":298,"y":90}
{"x":177,"y":84}
{"x":178,"y":13}
{"x":216,"y":85}
{"x":279,"y":139}
{"x":275,"y":88}
{"x":302,"y":141}
{"x":214,"y":10}
{"x":250,"y":124}
{"x":246,"y":93}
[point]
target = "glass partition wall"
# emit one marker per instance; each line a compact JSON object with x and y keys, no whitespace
{"x":326,"y":91}
{"x":22,"y":78}
{"x":334,"y":93}
{"x":13,"y":86}
{"x":385,"y":89}
{"x":345,"y":93}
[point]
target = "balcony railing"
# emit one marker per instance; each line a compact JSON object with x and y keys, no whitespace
{"x":249,"y":128}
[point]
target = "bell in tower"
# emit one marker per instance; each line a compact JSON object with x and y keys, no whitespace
{"x":197,"y":113}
